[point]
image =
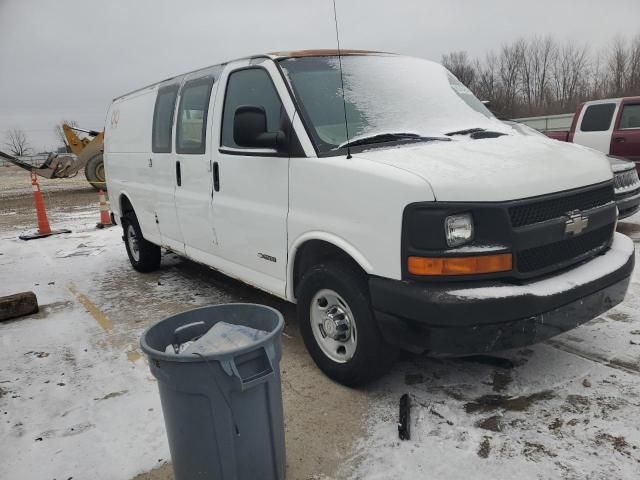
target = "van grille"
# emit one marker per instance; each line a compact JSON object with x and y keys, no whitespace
{"x":564,"y":251}
{"x":626,"y":180}
{"x":544,"y":210}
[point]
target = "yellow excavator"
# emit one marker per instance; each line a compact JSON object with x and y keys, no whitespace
{"x":87,"y":154}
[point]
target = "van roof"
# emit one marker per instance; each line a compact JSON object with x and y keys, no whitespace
{"x":325,"y":52}
{"x":274,"y":56}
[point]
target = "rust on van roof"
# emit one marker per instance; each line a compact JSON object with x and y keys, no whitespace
{"x":322,"y":52}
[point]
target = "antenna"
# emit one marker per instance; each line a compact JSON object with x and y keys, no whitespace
{"x":344,"y":103}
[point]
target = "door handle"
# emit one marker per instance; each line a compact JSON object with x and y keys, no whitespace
{"x":216,"y":177}
{"x":619,"y":139}
{"x":178,"y":174}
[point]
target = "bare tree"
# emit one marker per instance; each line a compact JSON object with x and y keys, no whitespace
{"x":509,"y":66}
{"x":633,"y":67}
{"x":17,"y":143}
{"x":598,"y":79}
{"x":618,"y":62}
{"x":488,"y":86}
{"x":60,"y":132}
{"x":459,"y":64}
{"x":537,"y":57}
{"x":570,"y":76}
{"x":538,"y":76}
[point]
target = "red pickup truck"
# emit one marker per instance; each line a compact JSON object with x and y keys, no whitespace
{"x":611,"y":126}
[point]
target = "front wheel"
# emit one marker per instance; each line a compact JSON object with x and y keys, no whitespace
{"x":143,"y":255}
{"x":338,"y":326}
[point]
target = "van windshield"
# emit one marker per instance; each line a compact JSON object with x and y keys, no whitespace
{"x":383,"y":94}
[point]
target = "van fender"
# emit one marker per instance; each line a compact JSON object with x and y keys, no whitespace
{"x":335,"y":240}
{"x":121,"y":195}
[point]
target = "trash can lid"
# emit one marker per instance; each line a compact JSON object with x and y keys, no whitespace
{"x":197,"y":323}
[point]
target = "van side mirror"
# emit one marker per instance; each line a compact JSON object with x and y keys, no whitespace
{"x":250,"y":129}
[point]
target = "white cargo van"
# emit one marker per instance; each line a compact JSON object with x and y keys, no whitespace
{"x":400,"y":215}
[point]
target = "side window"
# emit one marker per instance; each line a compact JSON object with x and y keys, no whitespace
{"x":630,"y":117}
{"x":163,"y":119}
{"x":191,"y":129}
{"x":597,"y":118}
{"x":252,"y":86}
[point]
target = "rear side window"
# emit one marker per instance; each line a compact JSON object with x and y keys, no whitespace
{"x":191,"y":129}
{"x":250,"y":87}
{"x":163,"y":119}
{"x":630,"y":117}
{"x":597,"y":118}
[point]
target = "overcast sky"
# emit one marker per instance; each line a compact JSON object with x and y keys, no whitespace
{"x":66,"y":59}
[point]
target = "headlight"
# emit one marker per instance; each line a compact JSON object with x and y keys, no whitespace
{"x":458,"y":229}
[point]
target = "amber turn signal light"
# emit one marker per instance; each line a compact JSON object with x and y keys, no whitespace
{"x":460,"y":265}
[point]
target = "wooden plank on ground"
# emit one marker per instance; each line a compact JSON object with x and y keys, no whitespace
{"x":18,"y":305}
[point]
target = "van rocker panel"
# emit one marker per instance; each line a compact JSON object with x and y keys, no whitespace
{"x":476,"y":317}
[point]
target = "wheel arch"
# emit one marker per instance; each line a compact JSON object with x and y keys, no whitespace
{"x":125,"y":205}
{"x":313,"y":247}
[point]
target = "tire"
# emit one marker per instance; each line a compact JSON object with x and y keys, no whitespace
{"x":143,"y":255}
{"x":94,"y":171}
{"x":366,"y":355}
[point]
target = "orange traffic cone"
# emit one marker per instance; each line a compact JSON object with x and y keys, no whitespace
{"x":105,"y":218}
{"x":44,"y":229}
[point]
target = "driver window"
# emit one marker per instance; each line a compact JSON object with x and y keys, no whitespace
{"x":251,"y":86}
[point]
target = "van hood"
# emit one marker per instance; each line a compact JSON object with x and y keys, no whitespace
{"x":509,"y":167}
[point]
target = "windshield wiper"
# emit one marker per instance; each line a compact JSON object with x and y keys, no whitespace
{"x":466,"y":131}
{"x":476,"y":133}
{"x":390,"y":137}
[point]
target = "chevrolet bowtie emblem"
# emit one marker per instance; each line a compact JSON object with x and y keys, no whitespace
{"x":576,"y":223}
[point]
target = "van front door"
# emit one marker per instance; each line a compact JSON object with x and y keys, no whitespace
{"x":162,"y":163}
{"x":194,"y":186}
{"x":251,"y":194}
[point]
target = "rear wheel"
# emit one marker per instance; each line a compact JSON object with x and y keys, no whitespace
{"x":338,"y":326}
{"x":94,"y":171}
{"x":143,"y":255}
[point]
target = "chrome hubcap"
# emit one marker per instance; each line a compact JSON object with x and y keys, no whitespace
{"x":132,"y":240}
{"x":333,"y":326}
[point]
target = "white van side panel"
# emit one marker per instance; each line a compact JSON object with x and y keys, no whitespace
{"x":126,"y":157}
{"x":356,"y":204}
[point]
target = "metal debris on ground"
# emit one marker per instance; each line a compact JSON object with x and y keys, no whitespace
{"x":404,"y":423}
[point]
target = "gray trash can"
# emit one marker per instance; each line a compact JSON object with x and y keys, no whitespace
{"x":222,"y":411}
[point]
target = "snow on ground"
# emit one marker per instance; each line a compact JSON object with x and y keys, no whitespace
{"x":73,"y":403}
{"x":77,"y":399}
{"x":567,"y":408}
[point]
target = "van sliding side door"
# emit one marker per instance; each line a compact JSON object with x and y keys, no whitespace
{"x":162,"y":167}
{"x":194,"y":187}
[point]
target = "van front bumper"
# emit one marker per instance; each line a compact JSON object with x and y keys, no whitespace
{"x":628,"y":204}
{"x":468,"y":317}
